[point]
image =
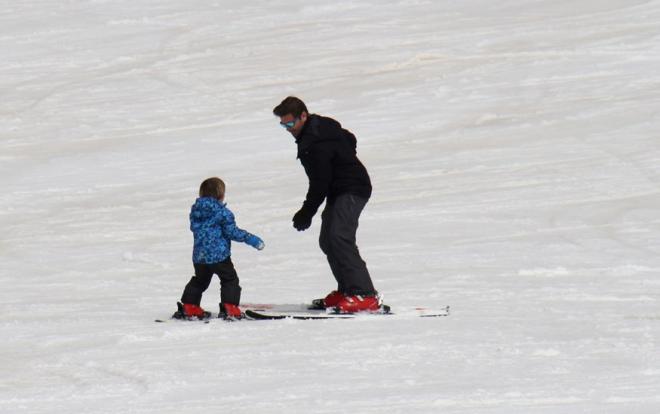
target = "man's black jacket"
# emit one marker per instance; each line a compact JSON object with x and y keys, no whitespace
{"x":328,"y":154}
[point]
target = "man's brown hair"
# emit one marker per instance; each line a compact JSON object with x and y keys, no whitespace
{"x":290,"y":105}
{"x":212,"y":187}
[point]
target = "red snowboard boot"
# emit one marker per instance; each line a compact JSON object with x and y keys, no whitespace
{"x":357,"y":303}
{"x":333,"y":298}
{"x":330,"y":301}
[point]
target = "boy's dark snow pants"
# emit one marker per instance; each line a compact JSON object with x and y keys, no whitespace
{"x":337,"y":240}
{"x":230,"y":291}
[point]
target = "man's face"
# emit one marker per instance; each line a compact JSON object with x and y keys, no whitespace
{"x":293,"y":124}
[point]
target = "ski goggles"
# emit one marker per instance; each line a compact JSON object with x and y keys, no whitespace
{"x":289,"y":125}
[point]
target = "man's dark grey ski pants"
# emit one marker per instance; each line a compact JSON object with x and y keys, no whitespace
{"x":337,"y":240}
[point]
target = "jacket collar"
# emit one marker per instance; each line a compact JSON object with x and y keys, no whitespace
{"x":310,"y":132}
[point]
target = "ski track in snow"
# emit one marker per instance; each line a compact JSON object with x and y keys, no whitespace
{"x":515,"y":157}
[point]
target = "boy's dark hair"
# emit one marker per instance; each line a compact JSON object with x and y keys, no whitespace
{"x":290,"y":105}
{"x":212,"y":187}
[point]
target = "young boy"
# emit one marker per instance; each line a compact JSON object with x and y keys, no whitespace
{"x":214,"y":227}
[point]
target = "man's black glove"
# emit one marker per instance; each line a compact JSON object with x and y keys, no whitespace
{"x":302,"y":220}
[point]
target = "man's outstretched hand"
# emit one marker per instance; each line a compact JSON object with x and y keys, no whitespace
{"x":302,"y":220}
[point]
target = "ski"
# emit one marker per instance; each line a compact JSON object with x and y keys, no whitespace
{"x":206,"y":320}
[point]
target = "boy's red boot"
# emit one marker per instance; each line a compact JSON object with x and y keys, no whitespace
{"x":230,"y":311}
{"x":357,"y":303}
{"x":190,"y":311}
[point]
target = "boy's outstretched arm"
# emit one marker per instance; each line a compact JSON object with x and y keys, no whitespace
{"x":237,"y":234}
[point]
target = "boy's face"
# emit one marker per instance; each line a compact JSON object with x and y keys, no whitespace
{"x":292,"y":124}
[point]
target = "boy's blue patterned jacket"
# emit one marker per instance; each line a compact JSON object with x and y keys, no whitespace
{"x":213,"y":227}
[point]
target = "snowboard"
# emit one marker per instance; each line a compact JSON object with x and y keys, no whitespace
{"x":266,"y":315}
{"x":318,"y":314}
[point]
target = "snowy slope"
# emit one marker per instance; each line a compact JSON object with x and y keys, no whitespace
{"x":515,"y":156}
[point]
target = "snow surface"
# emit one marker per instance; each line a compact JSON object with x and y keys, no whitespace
{"x":515,"y":156}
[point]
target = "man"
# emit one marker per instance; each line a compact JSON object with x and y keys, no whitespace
{"x":328,"y":154}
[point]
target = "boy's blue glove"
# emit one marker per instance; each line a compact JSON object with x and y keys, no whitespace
{"x":255,"y":242}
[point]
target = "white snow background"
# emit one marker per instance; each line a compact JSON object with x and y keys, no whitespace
{"x":515,"y":155}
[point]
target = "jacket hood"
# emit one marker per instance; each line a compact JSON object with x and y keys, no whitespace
{"x":311,"y":132}
{"x":204,"y":209}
